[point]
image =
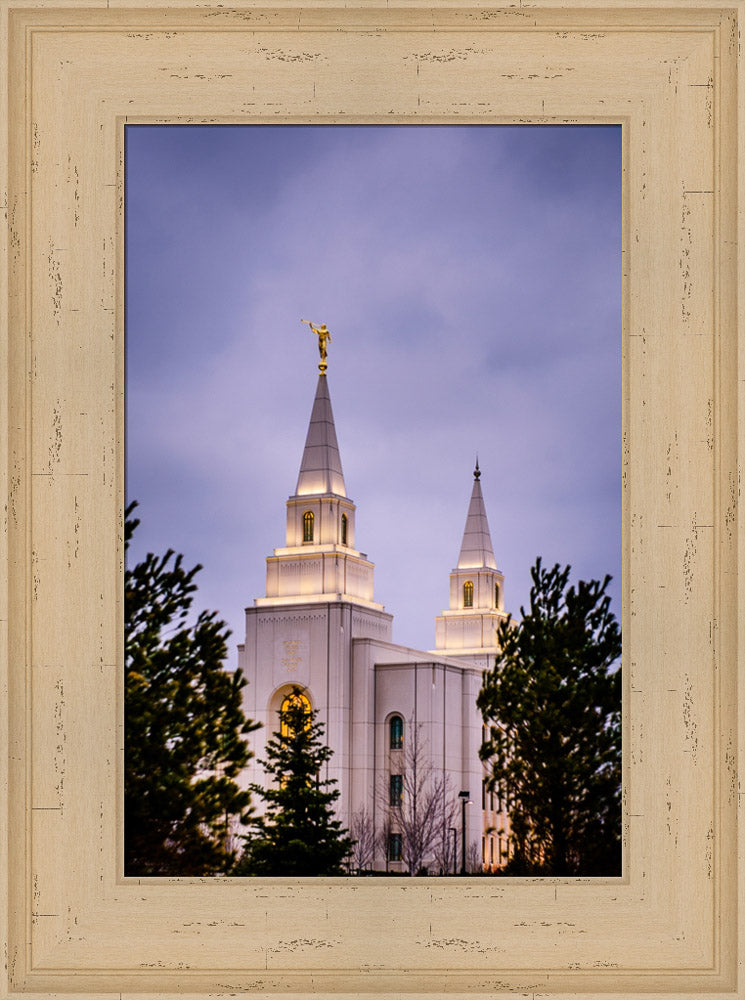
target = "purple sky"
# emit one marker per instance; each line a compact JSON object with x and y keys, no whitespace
{"x":471,"y":280}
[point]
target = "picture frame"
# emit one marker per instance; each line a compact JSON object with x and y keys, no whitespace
{"x":76,"y":73}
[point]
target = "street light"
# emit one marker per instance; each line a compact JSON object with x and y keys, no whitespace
{"x":464,"y":798}
{"x":455,"y":850}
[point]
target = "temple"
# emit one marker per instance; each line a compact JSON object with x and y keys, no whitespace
{"x":396,"y":718}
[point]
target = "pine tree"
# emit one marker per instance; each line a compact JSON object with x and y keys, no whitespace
{"x":184,"y":726}
{"x":552,"y":703}
{"x":299,"y":834}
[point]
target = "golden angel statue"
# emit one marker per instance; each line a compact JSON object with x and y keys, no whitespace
{"x":324,"y":337}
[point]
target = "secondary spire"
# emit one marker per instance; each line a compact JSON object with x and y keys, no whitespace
{"x":476,"y":550}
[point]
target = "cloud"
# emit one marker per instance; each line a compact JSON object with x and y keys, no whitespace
{"x":471,"y":281}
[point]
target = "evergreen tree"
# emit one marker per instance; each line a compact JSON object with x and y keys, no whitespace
{"x":299,"y":834}
{"x":552,"y":704}
{"x":184,"y":726}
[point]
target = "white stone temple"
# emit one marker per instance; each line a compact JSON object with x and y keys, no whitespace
{"x":319,"y":628}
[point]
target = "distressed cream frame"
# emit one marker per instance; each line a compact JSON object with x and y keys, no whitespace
{"x":76,"y":72}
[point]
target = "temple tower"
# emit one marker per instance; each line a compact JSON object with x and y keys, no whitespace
{"x":319,"y":598}
{"x":468,"y":628}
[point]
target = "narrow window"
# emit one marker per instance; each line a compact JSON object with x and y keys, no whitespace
{"x":396,"y":732}
{"x":496,"y":595}
{"x":396,"y":790}
{"x":468,"y":594}
{"x":394,"y":847}
{"x":483,"y":794}
{"x":491,"y":849}
{"x":483,"y":850}
{"x":308,"y":526}
{"x":344,"y":529}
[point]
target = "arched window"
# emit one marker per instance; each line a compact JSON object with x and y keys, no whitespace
{"x":468,"y":594}
{"x":344,"y":529}
{"x":308,"y":526}
{"x":496,"y":595}
{"x":295,"y":709}
{"x":397,"y":732}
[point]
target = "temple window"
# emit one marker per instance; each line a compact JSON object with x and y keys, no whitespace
{"x":496,"y":595}
{"x":289,"y":714}
{"x":308,"y":526}
{"x":396,"y":790}
{"x":395,"y":846}
{"x":396,"y":727}
{"x":468,"y":594}
{"x":344,"y":529}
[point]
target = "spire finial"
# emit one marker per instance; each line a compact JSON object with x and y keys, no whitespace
{"x":323,"y":337}
{"x":477,"y":471}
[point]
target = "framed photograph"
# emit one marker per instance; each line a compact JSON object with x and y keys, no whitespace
{"x":471,"y":277}
{"x":76,"y":76}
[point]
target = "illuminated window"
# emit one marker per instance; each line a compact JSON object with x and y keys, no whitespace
{"x":308,"y":526}
{"x":496,"y":595}
{"x":468,"y":594}
{"x":289,"y":714}
{"x":395,"y":845}
{"x":396,"y":790}
{"x":344,"y":529}
{"x":397,"y":732}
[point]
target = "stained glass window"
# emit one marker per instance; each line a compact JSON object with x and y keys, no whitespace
{"x":395,"y":846}
{"x":308,"y":526}
{"x":397,"y":732}
{"x":396,"y":790}
{"x":291,"y":702}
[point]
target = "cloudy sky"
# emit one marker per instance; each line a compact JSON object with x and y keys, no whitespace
{"x":471,"y":280}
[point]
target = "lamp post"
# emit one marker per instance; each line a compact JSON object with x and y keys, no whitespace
{"x":464,"y":798}
{"x":455,"y":851}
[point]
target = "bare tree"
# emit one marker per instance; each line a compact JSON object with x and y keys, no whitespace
{"x":474,"y":865}
{"x":423,"y":814}
{"x":362,"y":830}
{"x":444,"y":848}
{"x":383,"y":834}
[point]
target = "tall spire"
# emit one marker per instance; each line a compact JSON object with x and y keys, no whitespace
{"x":476,"y":550}
{"x":320,"y":469}
{"x":320,"y":562}
{"x":468,"y":627}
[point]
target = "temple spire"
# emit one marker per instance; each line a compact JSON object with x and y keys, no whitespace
{"x":468,"y":627}
{"x":476,"y":550}
{"x":320,"y":469}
